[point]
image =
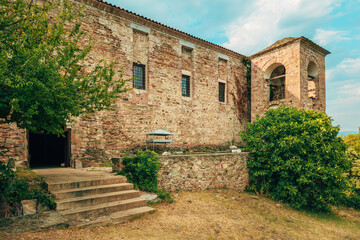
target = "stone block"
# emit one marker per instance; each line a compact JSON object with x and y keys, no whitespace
{"x":78,"y":164}
{"x":29,"y":206}
{"x":23,"y":164}
{"x":236,"y":150}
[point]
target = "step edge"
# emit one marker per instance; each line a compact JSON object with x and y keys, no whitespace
{"x":95,"y":196}
{"x":100,"y":206}
{"x":67,"y":190}
{"x":116,"y":220}
{"x":97,"y":179}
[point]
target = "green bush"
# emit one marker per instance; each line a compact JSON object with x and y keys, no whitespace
{"x":165,"y":196}
{"x":296,"y":157}
{"x":142,"y":170}
{"x":353,"y":141}
{"x":352,"y":201}
{"x":15,"y":186}
{"x":354,"y":172}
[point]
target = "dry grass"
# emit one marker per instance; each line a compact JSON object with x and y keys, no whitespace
{"x":220,"y":214}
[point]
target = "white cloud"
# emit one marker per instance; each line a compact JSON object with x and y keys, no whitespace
{"x":344,"y":90}
{"x":203,"y":18}
{"x":351,"y":66}
{"x":323,"y":37}
{"x":273,"y":20}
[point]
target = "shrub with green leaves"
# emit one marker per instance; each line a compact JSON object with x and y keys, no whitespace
{"x":23,"y":184}
{"x":296,"y":157}
{"x":353,"y":141}
{"x":142,"y":170}
{"x":354,"y":173}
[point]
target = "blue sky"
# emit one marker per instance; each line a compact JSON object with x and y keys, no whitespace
{"x":250,"y":26}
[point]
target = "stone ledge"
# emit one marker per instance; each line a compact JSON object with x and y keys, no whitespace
{"x":203,"y":154}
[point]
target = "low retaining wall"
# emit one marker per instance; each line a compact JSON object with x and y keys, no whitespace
{"x":202,"y":171}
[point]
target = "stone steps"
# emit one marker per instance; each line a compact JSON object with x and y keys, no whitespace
{"x":102,"y":209}
{"x":117,"y":217}
{"x":89,"y":200}
{"x":86,"y":191}
{"x":86,"y":183}
{"x":86,"y":199}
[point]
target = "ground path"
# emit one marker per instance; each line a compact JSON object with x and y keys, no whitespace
{"x":218,"y":214}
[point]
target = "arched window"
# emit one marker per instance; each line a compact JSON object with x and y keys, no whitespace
{"x":275,"y":75}
{"x":312,"y":79}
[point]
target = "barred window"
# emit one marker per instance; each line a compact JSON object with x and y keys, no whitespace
{"x":185,"y":86}
{"x":221,"y":92}
{"x":139,"y":76}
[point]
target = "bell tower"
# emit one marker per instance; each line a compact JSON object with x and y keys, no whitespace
{"x":289,"y":72}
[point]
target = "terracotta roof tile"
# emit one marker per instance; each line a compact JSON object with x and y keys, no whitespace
{"x":289,"y":40}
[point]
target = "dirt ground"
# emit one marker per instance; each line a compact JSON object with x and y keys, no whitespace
{"x":218,"y":214}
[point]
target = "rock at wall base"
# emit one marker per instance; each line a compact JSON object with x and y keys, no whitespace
{"x":78,"y":164}
{"x":29,"y":206}
{"x":23,"y":164}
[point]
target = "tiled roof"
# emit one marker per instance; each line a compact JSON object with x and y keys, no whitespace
{"x":289,"y":40}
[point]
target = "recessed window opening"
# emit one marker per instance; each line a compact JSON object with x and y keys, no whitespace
{"x":312,"y":78}
{"x":277,"y":83}
{"x":139,"y":76}
{"x":221,"y":92}
{"x":185,"y":86}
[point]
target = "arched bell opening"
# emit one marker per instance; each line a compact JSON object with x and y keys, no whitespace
{"x":275,"y":76}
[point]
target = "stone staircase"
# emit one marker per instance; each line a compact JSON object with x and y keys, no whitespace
{"x":97,"y":200}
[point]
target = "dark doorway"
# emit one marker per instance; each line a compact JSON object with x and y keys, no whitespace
{"x":49,"y":150}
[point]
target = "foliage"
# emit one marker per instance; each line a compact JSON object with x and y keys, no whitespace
{"x":23,"y":184}
{"x":46,"y":198}
{"x":165,"y":196}
{"x":142,"y":170}
{"x":297,"y":157}
{"x":6,"y":178}
{"x":354,"y":173}
{"x":46,"y":74}
{"x":353,"y":141}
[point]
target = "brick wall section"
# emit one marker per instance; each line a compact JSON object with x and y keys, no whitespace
{"x":13,"y":143}
{"x":308,"y":55}
{"x":296,"y":57}
{"x":260,"y":92}
{"x":196,"y":120}
{"x":202,"y":171}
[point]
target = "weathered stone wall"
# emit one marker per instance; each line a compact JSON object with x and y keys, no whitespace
{"x":260,"y":89}
{"x":295,"y":57}
{"x":13,"y":144}
{"x":318,"y":99}
{"x":202,"y":171}
{"x":167,"y":55}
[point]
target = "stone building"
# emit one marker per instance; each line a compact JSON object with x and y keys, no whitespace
{"x":183,"y":84}
{"x":290,"y":72}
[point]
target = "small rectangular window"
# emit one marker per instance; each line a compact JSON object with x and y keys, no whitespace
{"x":139,"y":76}
{"x":185,"y":86}
{"x":221,"y":92}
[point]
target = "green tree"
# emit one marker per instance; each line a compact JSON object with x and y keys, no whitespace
{"x":354,"y":173}
{"x":353,"y":140}
{"x":296,"y":157}
{"x":43,"y":80}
